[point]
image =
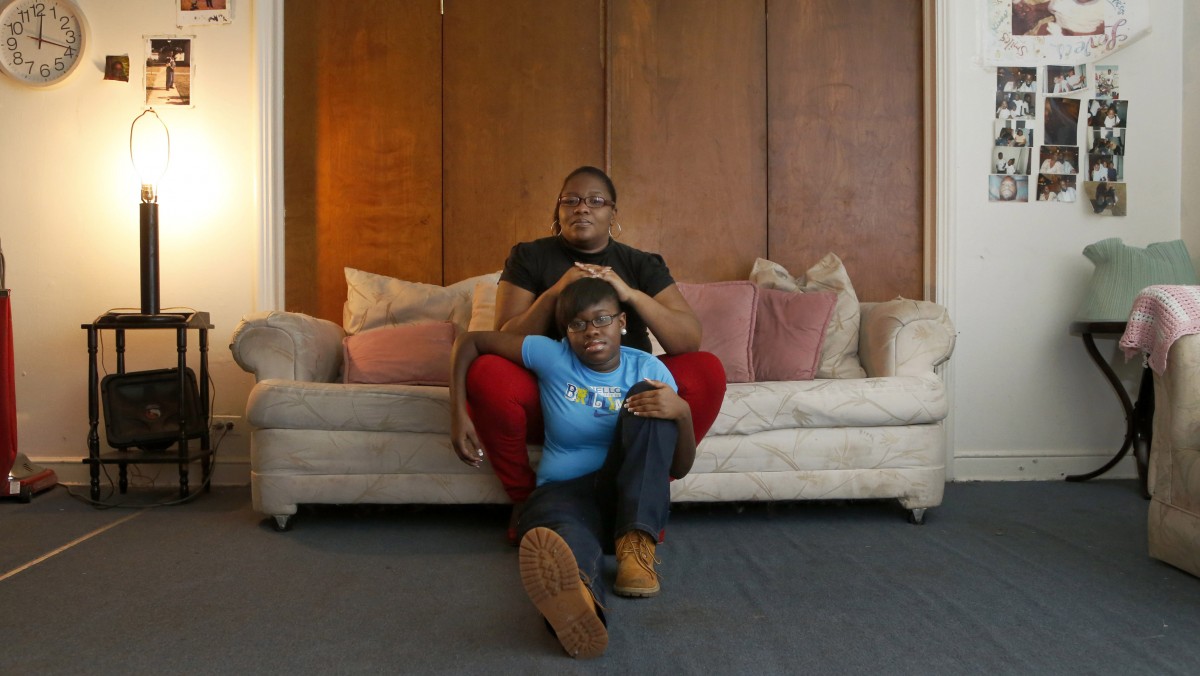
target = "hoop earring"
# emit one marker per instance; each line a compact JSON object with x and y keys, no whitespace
{"x":619,"y":231}
{"x":555,"y":228}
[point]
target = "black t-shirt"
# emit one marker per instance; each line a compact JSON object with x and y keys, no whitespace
{"x":536,"y":266}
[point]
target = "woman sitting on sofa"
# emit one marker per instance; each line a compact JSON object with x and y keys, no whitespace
{"x":615,"y":432}
{"x":503,"y":397}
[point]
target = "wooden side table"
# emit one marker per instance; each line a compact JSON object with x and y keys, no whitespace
{"x":1139,"y":415}
{"x":181,"y":455}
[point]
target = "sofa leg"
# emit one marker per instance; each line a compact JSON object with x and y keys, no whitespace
{"x":916,"y":516}
{"x":282,"y":522}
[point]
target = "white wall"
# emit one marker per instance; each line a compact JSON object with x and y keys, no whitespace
{"x":70,"y":217}
{"x":1027,"y":401}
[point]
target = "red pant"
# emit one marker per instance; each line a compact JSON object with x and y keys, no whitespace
{"x":502,"y":399}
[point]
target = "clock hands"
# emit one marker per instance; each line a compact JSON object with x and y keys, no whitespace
{"x":49,"y":42}
{"x":39,"y":37}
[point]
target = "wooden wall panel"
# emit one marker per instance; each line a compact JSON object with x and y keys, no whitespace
{"x":688,"y":107}
{"x":366,"y":193}
{"x":523,"y":105}
{"x":845,"y":109}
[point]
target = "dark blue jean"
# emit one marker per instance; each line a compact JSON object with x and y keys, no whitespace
{"x":631,"y":491}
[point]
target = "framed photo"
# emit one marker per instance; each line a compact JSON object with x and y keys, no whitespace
{"x":204,"y":12}
{"x":170,"y":70}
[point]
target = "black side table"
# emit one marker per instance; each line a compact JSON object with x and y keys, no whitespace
{"x":1139,"y":415}
{"x":182,"y":455}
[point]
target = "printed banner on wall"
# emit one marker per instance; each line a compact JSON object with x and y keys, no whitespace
{"x":1034,"y":32}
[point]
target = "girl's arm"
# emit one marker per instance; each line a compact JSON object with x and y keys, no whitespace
{"x":467,"y":347}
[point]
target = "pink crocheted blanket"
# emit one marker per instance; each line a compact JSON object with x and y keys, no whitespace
{"x":1160,"y":315}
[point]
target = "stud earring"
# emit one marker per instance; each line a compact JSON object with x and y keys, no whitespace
{"x":623,"y":332}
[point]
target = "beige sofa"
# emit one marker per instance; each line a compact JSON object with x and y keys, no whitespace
{"x":318,"y":440}
{"x":1174,"y":470}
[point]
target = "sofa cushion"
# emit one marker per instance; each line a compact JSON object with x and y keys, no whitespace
{"x":1122,"y":271}
{"x":375,"y":300}
{"x":291,"y":404}
{"x":788,"y":333}
{"x":749,"y":408}
{"x":412,"y":354}
{"x":839,"y":353}
{"x":726,"y":311}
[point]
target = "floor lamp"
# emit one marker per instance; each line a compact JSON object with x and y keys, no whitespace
{"x":150,"y":152}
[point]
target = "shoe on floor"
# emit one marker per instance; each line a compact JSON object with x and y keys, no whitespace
{"x":635,"y":565}
{"x":551,"y":578}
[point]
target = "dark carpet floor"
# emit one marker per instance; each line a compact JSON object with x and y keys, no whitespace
{"x":1004,"y":578}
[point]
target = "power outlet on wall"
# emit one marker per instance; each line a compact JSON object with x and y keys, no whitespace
{"x":225,"y":423}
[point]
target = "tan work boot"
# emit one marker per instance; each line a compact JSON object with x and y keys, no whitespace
{"x":635,"y":565}
{"x":552,"y":580}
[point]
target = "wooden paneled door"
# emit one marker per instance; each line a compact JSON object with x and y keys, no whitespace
{"x":689,"y":135}
{"x":423,"y":146}
{"x":846,"y":115}
{"x":523,"y":105}
{"x":362,"y":147}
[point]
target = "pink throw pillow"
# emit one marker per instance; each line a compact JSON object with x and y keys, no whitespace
{"x":726,"y":311}
{"x":408,"y":354}
{"x":789,"y":332}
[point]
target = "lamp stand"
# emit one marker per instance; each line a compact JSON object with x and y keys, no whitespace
{"x":149,"y":257}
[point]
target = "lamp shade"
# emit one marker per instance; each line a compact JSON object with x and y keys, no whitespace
{"x":1122,"y":271}
{"x":150,"y":151}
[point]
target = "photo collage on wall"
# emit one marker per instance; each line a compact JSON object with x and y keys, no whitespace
{"x":1068,"y":168}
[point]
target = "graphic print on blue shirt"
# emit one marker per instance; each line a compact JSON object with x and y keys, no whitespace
{"x":580,"y":406}
{"x":605,"y":401}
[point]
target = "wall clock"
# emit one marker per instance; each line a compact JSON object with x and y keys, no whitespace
{"x":41,"y":41}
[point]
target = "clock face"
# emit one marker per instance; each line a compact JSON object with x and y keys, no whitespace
{"x":41,"y":41}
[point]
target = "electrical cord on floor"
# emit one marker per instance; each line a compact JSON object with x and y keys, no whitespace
{"x":192,"y":495}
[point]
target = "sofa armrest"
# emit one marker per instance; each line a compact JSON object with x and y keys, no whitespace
{"x":288,"y":345}
{"x":904,"y":337}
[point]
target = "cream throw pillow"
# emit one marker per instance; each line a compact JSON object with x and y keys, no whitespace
{"x":375,"y":300}
{"x":483,"y":307}
{"x":839,"y":352}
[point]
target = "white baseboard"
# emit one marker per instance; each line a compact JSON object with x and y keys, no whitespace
{"x":235,"y":471}
{"x":227,"y":471}
{"x":995,"y":467}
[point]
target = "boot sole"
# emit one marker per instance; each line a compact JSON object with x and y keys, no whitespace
{"x":636,"y":592}
{"x":551,"y":578}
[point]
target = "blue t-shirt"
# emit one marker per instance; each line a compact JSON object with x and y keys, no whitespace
{"x":580,"y":405}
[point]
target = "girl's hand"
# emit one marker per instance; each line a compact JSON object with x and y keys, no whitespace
{"x":466,"y":442}
{"x":661,"y":402}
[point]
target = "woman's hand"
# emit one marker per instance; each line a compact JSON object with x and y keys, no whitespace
{"x":661,"y":402}
{"x":465,"y":441}
{"x":624,"y":293}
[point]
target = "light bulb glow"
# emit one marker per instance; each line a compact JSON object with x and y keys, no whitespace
{"x":150,"y":151}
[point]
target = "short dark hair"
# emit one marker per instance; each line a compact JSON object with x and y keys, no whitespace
{"x":580,"y":295}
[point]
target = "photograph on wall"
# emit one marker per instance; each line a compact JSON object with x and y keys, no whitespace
{"x":1055,"y":188}
{"x":1106,"y":168}
{"x":1106,"y":141}
{"x":1106,"y":198}
{"x":116,"y":68}
{"x":1066,"y":79}
{"x":1033,"y":32}
{"x":1011,"y":161}
{"x":1060,"y":122}
{"x":1013,"y":133}
{"x":205,"y":12}
{"x":1059,"y":160}
{"x":1107,"y":83}
{"x":1016,"y":79}
{"x":1008,"y":188}
{"x":1014,"y":106}
{"x":170,"y":70}
{"x":1107,"y":114}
